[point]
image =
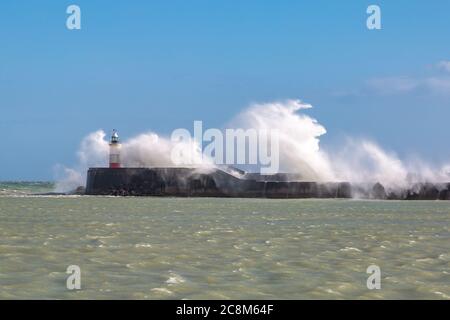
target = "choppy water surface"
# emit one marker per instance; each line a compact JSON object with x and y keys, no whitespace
{"x":174,"y":248}
{"x":23,"y":188}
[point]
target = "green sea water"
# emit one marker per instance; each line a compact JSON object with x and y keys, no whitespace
{"x":212,"y":248}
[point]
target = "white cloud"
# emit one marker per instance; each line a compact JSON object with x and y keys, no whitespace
{"x":438,"y":85}
{"x":393,"y":85}
{"x":444,"y":65}
{"x":435,"y":83}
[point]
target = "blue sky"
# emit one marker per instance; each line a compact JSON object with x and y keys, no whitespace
{"x":160,"y":65}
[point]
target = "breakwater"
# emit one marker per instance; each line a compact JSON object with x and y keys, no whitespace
{"x":191,"y":182}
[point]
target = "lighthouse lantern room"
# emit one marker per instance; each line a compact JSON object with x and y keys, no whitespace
{"x":114,"y":151}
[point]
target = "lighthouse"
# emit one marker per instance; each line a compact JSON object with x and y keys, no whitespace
{"x":114,"y":151}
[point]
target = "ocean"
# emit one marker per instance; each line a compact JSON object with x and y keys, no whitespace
{"x":216,"y":248}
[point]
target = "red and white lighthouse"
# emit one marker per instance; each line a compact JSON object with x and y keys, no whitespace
{"x":114,"y":151}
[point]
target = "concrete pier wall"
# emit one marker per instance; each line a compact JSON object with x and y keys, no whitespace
{"x":190,"y":182}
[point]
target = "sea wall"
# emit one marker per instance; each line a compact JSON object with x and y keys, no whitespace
{"x":191,"y":182}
